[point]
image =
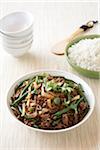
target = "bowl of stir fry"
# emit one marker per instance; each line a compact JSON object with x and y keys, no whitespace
{"x":50,"y":101}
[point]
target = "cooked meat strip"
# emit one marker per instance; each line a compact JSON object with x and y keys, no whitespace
{"x":65,"y":119}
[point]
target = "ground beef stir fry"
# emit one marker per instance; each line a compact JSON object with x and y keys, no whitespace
{"x":49,"y":102}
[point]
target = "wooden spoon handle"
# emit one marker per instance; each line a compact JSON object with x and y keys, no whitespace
{"x":59,"y":48}
{"x":73,"y":35}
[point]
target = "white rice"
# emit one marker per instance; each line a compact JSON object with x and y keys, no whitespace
{"x":86,"y":54}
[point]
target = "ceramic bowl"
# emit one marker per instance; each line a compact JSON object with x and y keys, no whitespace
{"x":85,"y":72}
{"x":19,"y":51}
{"x":88,"y":93}
{"x":17,"y":24}
{"x":18,"y":45}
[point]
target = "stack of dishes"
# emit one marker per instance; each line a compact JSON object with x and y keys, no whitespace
{"x":17,"y":32}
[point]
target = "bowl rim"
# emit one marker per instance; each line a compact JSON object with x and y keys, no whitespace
{"x":9,"y":39}
{"x":22,"y":30}
{"x":65,"y":73}
{"x":18,"y":52}
{"x":76,"y":40}
{"x":18,"y":45}
{"x":18,"y":37}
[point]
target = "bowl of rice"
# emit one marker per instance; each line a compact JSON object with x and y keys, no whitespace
{"x":83,"y":54}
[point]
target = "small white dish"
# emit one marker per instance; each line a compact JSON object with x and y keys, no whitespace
{"x":18,"y":45}
{"x":17,"y":52}
{"x":25,"y":34}
{"x":88,"y":93}
{"x":17,"y":41}
{"x":16,"y":23}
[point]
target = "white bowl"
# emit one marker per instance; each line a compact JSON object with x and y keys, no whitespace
{"x":17,"y":52}
{"x":16,"y":37}
{"x":17,"y":41}
{"x":17,"y":23}
{"x":88,"y":92}
{"x":18,"y":45}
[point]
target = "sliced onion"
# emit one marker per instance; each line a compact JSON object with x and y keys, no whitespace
{"x":75,"y":98}
{"x":23,"y":109}
{"x":47,"y":95}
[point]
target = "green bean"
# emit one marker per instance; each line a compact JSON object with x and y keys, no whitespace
{"x":69,"y":97}
{"x":29,"y":118}
{"x":56,"y":117}
{"x":68,"y":100}
{"x":34,"y":92}
{"x":80,"y":89}
{"x":81,"y":92}
{"x":59,"y":113}
{"x":72,"y":106}
{"x":70,"y":82}
{"x":34,"y":120}
{"x":17,"y":101}
{"x":20,"y":84}
{"x":26,"y":87}
{"x":39,"y":79}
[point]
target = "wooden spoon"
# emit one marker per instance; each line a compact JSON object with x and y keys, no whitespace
{"x":58,"y":49}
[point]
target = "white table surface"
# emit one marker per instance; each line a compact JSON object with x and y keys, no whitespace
{"x":52,"y":23}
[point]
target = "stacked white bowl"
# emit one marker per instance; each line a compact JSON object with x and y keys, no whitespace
{"x":17,"y":32}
